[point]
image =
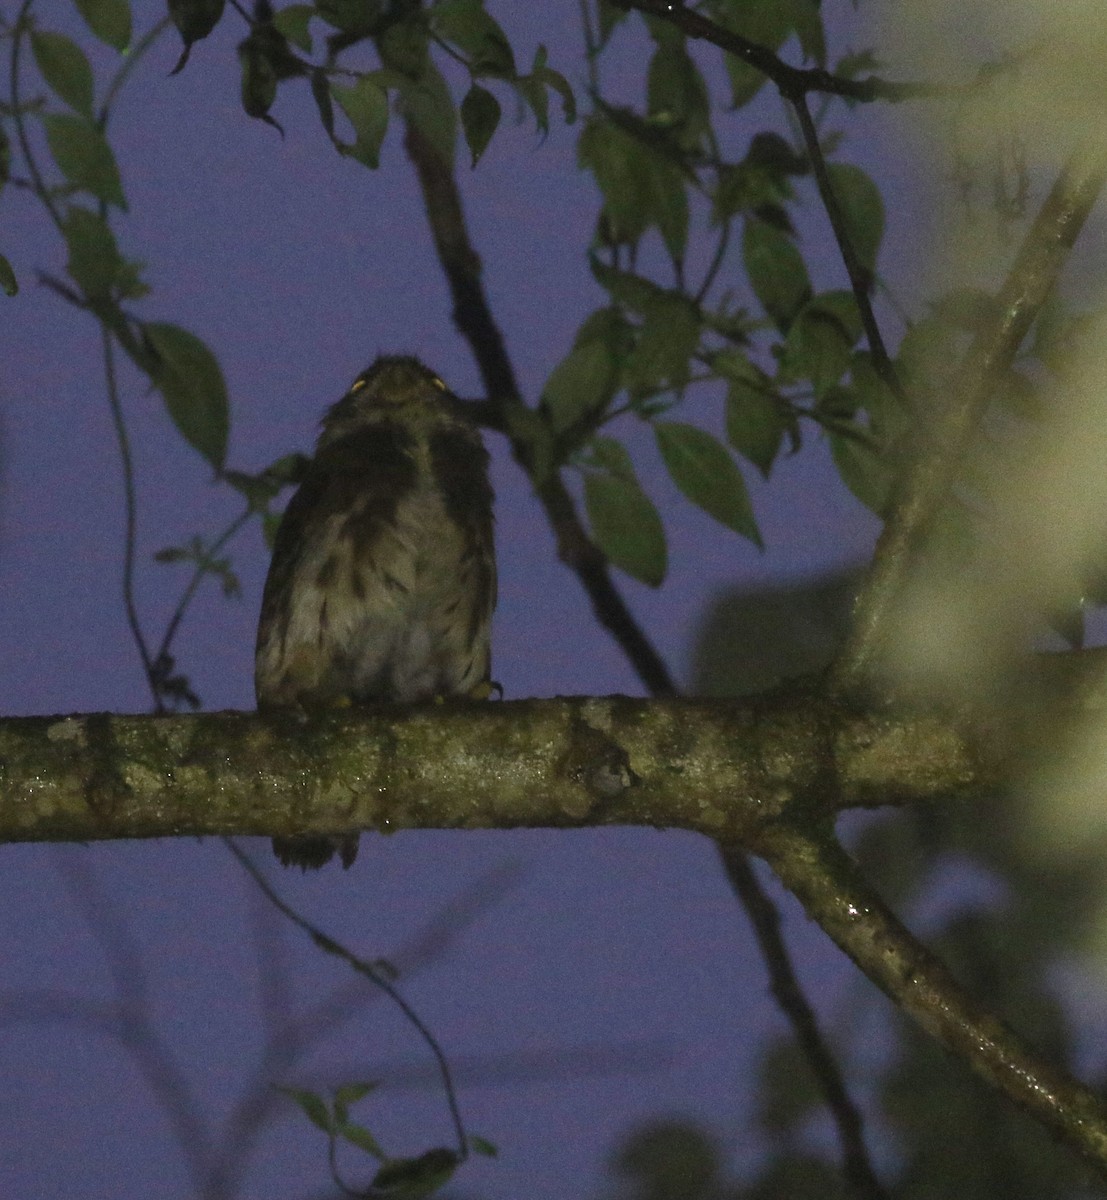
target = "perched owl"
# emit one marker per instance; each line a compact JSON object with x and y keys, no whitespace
{"x":383,"y":578}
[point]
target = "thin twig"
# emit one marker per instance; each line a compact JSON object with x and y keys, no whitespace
{"x":134,"y":1022}
{"x":194,"y":582}
{"x":134,"y":56}
{"x":130,"y":517}
{"x":327,"y":943}
{"x":860,"y":277}
{"x":789,"y":995}
{"x":797,"y":80}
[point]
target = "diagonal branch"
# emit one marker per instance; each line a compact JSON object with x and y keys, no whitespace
{"x":473,"y":317}
{"x":1043,"y":253}
{"x":791,"y":80}
{"x":830,"y":887}
{"x":747,"y":773}
{"x":856,"y":1166}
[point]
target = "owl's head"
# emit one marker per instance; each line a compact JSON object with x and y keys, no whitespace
{"x":395,"y":388}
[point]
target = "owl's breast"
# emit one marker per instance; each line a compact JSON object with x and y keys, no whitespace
{"x":388,"y":600}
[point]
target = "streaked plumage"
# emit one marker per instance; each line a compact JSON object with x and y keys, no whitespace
{"x":383,"y":578}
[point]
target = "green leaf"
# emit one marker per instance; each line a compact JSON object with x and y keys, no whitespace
{"x":429,"y":106}
{"x":483,"y":1146}
{"x":583,"y":383}
{"x":313,"y":1105}
{"x":668,"y":339}
{"x":756,"y":419}
{"x":321,"y":94}
{"x":189,"y":378}
{"x":259,"y":80}
{"x":703,"y":469}
{"x":270,"y":523}
{"x":265,"y":59}
{"x":480,"y":114}
{"x":194,"y":20}
{"x":641,"y":187}
{"x":366,"y":106}
{"x":359,"y":18}
{"x":776,"y":271}
{"x":889,"y":417}
{"x":109,"y":20}
{"x":862,"y":468}
{"x":413,"y":1178}
{"x":533,"y":93}
{"x":841,"y":306}
{"x":293,"y":23}
{"x":359,"y":1136}
{"x":556,"y":82}
{"x":65,"y":68}
{"x":636,"y":292}
{"x":8,"y":280}
{"x":84,"y":157}
{"x":350,"y":1093}
{"x":258,"y":489}
{"x":476,"y":34}
{"x":850,"y":65}
{"x":862,"y":210}
{"x":809,"y":26}
{"x":609,"y":455}
{"x":626,"y":525}
{"x":94,"y":261}
{"x":761,"y":181}
{"x":198,"y":554}
{"x":768,"y":24}
{"x":670,"y":331}
{"x":676,"y":94}
{"x":816,"y":348}
{"x":404,"y":45}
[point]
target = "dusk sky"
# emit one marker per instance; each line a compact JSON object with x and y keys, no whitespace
{"x":604,"y":979}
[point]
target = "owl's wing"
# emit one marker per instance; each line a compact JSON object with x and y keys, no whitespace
{"x":335,"y":521}
{"x":460,"y":464}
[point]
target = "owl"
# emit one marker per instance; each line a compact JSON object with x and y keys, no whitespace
{"x":383,"y":578}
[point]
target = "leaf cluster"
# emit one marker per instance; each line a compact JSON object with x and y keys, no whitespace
{"x":774,"y":354}
{"x":407,"y":1178}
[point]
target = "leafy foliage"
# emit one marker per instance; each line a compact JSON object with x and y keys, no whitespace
{"x":189,"y":378}
{"x":407,"y":1178}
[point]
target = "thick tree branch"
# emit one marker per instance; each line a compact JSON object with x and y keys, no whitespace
{"x":721,"y":767}
{"x":830,"y":887}
{"x":766,"y":774}
{"x":945,"y":438}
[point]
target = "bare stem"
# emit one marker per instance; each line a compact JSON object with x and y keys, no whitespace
{"x":836,"y":896}
{"x":1043,"y":253}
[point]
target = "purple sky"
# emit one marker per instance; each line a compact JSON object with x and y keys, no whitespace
{"x":617,"y":968}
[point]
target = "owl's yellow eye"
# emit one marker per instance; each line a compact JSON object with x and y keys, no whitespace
{"x":356,"y":386}
{"x":438,"y":383}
